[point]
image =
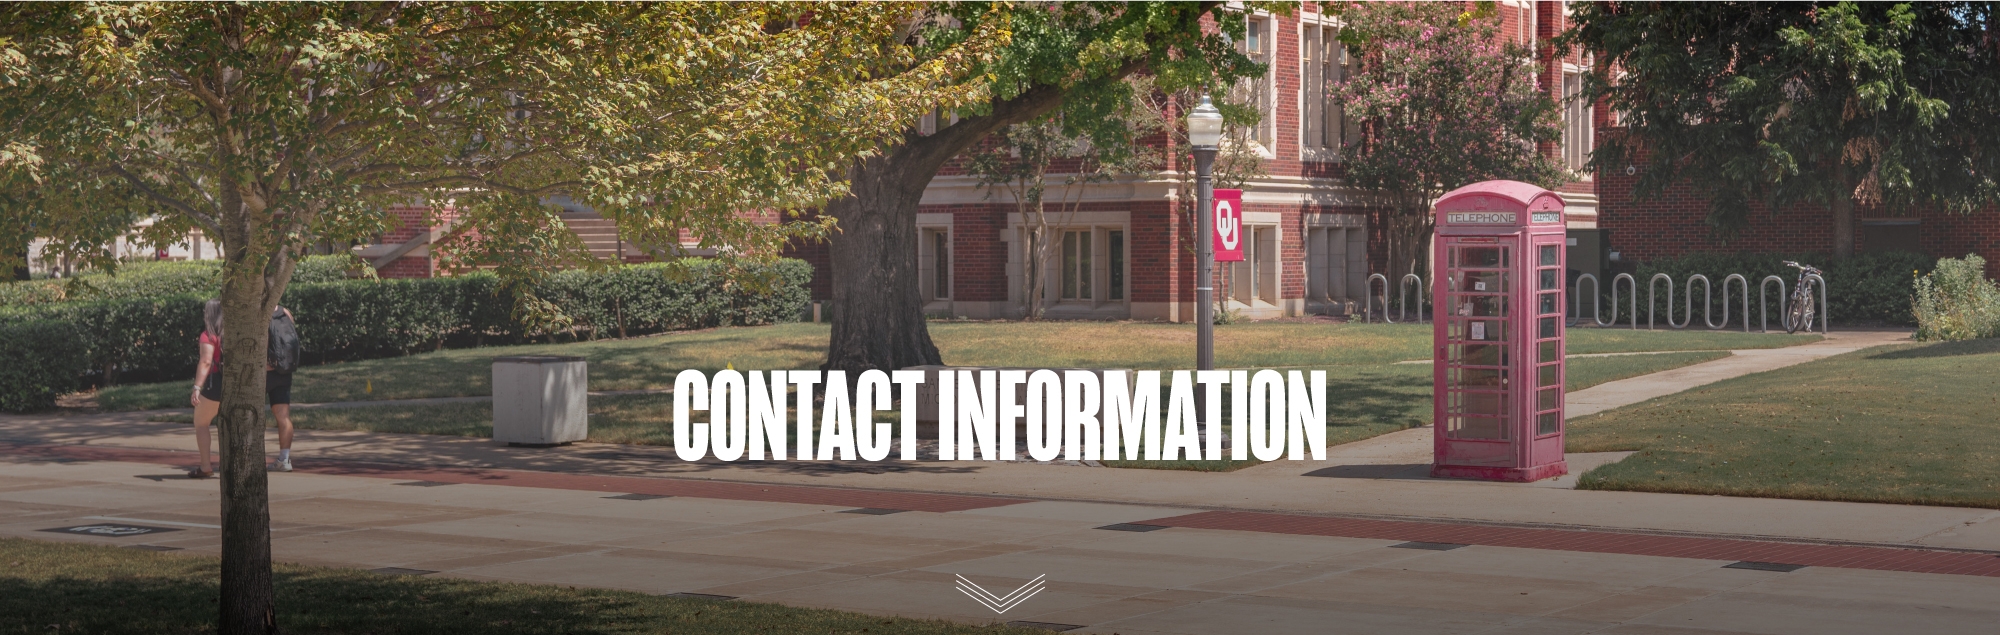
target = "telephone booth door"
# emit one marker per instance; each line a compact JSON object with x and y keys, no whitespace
{"x":1499,"y":333}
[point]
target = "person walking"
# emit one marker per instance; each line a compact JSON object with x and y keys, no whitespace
{"x":207,"y":397}
{"x":282,"y":360}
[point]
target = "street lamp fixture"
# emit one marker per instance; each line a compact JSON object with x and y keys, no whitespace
{"x":1204,"y":133}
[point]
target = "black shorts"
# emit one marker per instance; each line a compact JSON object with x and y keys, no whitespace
{"x":277,"y":387}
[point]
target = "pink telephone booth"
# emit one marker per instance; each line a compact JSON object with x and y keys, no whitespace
{"x":1499,"y":333}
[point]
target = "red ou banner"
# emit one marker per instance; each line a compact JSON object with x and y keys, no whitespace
{"x":1228,"y":225}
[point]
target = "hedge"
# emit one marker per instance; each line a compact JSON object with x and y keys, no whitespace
{"x":153,"y":338}
{"x":1866,"y":288}
{"x":157,"y":279}
{"x":42,"y":364}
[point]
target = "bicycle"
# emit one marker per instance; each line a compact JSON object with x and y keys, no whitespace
{"x":1799,"y":315}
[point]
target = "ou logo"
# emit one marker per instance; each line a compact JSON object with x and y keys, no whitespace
{"x":1228,"y":229}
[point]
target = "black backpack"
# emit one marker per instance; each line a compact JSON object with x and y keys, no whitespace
{"x":284,"y":349}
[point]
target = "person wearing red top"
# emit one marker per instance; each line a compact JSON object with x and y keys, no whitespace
{"x":207,"y":397}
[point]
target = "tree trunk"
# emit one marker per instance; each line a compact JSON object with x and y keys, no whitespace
{"x":1843,"y":226}
{"x":248,"y":605}
{"x":878,"y":310}
{"x":21,"y":272}
{"x":255,"y":275}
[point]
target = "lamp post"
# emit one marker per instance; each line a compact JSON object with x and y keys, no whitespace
{"x":1204,"y":134}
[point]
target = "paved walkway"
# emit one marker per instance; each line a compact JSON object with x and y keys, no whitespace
{"x":1304,"y":547}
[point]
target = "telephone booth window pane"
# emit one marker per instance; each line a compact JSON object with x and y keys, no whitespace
{"x":1549,"y":256}
{"x":1548,"y":399}
{"x":1481,"y":377}
{"x":1478,"y":330}
{"x":1480,"y":355}
{"x":1551,"y":280}
{"x":1481,"y":257}
{"x":1549,"y":326}
{"x":1482,"y":306}
{"x":1491,"y":404}
{"x":1483,"y":282}
{"x":1551,"y":351}
{"x":1549,"y":376}
{"x":1549,"y":424}
{"x":1550,"y":304}
{"x":1477,"y":428}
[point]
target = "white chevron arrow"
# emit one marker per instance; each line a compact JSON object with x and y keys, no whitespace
{"x":1000,"y":604}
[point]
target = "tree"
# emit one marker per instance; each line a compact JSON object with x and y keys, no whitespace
{"x":273,"y":125}
{"x":1836,"y":104}
{"x":1444,"y":102}
{"x":1018,"y":163}
{"x":1071,"y":56}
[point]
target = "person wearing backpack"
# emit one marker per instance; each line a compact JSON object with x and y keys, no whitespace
{"x":282,"y":360}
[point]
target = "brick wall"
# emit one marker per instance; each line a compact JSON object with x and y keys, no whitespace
{"x":1674,"y":224}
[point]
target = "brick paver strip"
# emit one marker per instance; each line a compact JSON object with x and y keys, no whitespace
{"x":1812,"y":555}
{"x":879,"y":499}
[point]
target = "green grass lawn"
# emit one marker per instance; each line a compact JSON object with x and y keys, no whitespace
{"x":1910,"y":423}
{"x":651,"y":362}
{"x":74,"y":588}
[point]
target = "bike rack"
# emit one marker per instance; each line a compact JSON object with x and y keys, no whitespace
{"x":1652,"y":288}
{"x":1368,"y":309}
{"x":1708,"y":317}
{"x":1596,"y":303}
{"x":1403,"y":299}
{"x":1824,"y":315}
{"x":1764,"y":318}
{"x":1742,"y":283}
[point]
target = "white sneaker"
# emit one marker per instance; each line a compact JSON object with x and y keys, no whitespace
{"x":283,"y":465}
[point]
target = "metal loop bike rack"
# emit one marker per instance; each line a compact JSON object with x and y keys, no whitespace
{"x":1368,"y":309}
{"x":1707,"y":303}
{"x":1652,"y":289}
{"x":1824,"y":315}
{"x":1596,"y":301}
{"x":1403,"y":299}
{"x":1743,"y":283}
{"x":1763,"y":317}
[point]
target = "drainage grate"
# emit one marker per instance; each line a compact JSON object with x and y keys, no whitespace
{"x":1046,"y":626}
{"x":111,"y":530}
{"x":1765,"y":566}
{"x":401,"y":571}
{"x":874,"y":511}
{"x":1431,"y":546}
{"x":1133,"y":527}
{"x":638,"y":497}
{"x":425,"y":484}
{"x":702,"y":596}
{"x":152,"y":548}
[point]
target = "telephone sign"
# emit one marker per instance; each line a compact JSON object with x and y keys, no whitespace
{"x":1228,"y":225}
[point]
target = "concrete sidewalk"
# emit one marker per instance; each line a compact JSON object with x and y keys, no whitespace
{"x":1099,"y":572}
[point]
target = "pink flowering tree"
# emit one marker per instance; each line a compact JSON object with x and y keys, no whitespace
{"x":1443,"y":102}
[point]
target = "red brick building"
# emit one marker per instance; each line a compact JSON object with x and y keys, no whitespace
{"x":1123,"y":253}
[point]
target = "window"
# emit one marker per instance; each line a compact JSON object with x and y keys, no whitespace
{"x":1256,"y":278}
{"x":1336,"y":263}
{"x":1076,"y":271}
{"x":941,"y":269}
{"x":934,"y":263}
{"x":1256,"y":91}
{"x":1890,"y":234}
{"x":1117,"y":249}
{"x":1577,"y":125}
{"x":1325,"y":128}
